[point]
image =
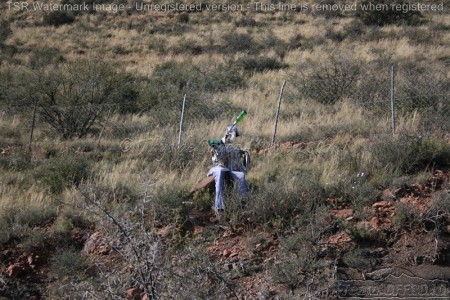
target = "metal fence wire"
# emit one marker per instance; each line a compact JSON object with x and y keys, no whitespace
{"x":390,"y":93}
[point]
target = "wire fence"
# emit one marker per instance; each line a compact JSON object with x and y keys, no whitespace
{"x":393,"y":93}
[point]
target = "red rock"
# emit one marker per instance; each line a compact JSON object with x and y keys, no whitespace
{"x":342,"y":213}
{"x":165,"y":231}
{"x":226,"y":253}
{"x":134,"y":293}
{"x":130,"y":268}
{"x":375,"y":223}
{"x":92,"y":242}
{"x":381,"y":203}
{"x":286,"y":146}
{"x":299,"y":146}
{"x":14,"y":270}
{"x":104,"y":250}
{"x":338,"y":238}
{"x":198,"y":230}
{"x":234,"y":254}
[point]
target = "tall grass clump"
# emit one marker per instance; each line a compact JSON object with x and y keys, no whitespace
{"x":58,"y":173}
{"x":408,"y":154}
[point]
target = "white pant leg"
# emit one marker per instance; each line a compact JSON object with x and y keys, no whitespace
{"x":240,"y":177}
{"x":218,"y":172}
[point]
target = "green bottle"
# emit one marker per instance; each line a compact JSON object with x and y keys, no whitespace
{"x":241,"y":116}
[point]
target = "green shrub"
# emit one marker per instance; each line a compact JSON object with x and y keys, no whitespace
{"x":436,"y":218}
{"x":45,"y":56}
{"x":163,"y":93}
{"x":328,"y":81}
{"x":158,"y":44}
{"x":278,"y":197}
{"x":356,"y":259}
{"x":407,"y":217}
{"x":388,"y":15}
{"x":187,"y":47}
{"x":59,"y":173}
{"x":406,"y":154}
{"x":17,"y":161}
{"x":239,"y":42}
{"x":362,"y":232}
{"x":170,"y":156}
{"x":296,"y":42}
{"x":58,"y":18}
{"x":260,"y":64}
{"x":5,"y":30}
{"x":183,"y":18}
{"x":75,"y":112}
{"x":19,"y":221}
{"x":245,"y":21}
{"x":68,"y":263}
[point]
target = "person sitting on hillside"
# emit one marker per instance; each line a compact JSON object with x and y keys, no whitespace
{"x":227,"y":159}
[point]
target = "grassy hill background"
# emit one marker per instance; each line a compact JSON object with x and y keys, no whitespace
{"x":92,"y":178}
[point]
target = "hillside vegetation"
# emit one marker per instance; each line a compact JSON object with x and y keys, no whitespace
{"x":93,"y":182}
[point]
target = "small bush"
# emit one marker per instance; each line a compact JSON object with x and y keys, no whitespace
{"x":406,"y":217}
{"x":245,"y":22}
{"x":58,"y":18}
{"x":239,"y":42}
{"x":295,"y":194}
{"x":164,"y":91}
{"x":407,"y":154}
{"x":5,"y":30}
{"x":183,"y":18}
{"x":295,"y":42}
{"x":19,"y":221}
{"x":356,"y":259}
{"x":45,"y":56}
{"x":18,"y":161}
{"x":158,"y":44}
{"x":187,"y":47}
{"x":330,"y":81}
{"x":59,"y":173}
{"x":68,"y":263}
{"x":361,"y":232}
{"x":388,"y":15}
{"x":259,"y":64}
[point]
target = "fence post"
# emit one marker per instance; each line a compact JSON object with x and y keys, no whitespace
{"x":181,"y":120}
{"x":33,"y":124}
{"x":278,"y":111}
{"x":103,"y":127}
{"x":393,"y":98}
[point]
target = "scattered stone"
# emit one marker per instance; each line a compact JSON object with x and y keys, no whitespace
{"x":14,"y":270}
{"x":134,"y":293}
{"x":342,"y":213}
{"x":381,"y":203}
{"x":165,"y":231}
{"x":104,"y":250}
{"x":375,"y":223}
{"x":286,"y":146}
{"x":339,"y":238}
{"x":198,"y":230}
{"x":92,"y":242}
{"x":226,"y":253}
{"x":299,"y":146}
{"x":234,"y":254}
